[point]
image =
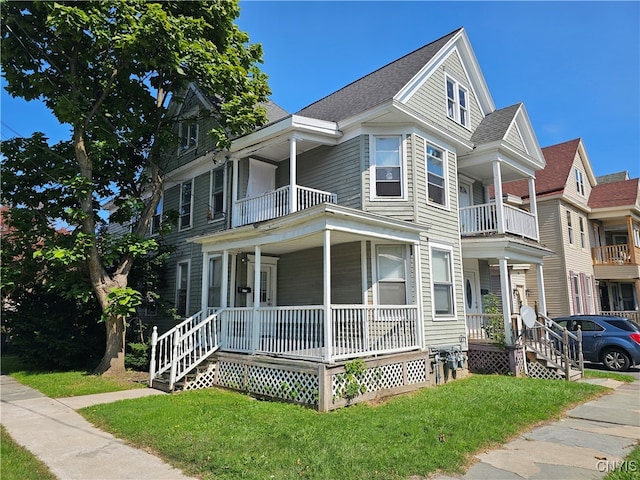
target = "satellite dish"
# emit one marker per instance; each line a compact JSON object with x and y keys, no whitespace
{"x":528,"y":315}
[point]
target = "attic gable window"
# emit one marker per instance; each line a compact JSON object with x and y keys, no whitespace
{"x":457,"y":102}
{"x":188,"y":135}
{"x":579,"y":182}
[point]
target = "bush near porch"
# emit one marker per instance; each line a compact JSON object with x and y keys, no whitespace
{"x":220,"y":434}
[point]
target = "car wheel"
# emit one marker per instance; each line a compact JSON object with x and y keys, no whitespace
{"x":616,"y":359}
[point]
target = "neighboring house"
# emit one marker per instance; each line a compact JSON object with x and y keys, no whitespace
{"x":615,"y":216}
{"x":592,"y":224}
{"x":359,"y":227}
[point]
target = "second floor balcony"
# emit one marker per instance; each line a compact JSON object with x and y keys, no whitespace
{"x":277,"y":203}
{"x":487,"y":218}
{"x":624,"y":254}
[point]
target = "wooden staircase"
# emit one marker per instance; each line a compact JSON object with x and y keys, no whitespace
{"x":202,"y":376}
{"x":552,"y":351}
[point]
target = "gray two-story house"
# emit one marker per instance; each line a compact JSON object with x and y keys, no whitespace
{"x":343,"y":250}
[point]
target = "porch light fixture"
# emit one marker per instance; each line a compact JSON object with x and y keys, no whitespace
{"x":527,"y":292}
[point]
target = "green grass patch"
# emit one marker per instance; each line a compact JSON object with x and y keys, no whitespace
{"x":18,"y":463}
{"x":225,"y":435}
{"x":628,"y":469}
{"x":66,"y":384}
{"x":621,"y":377}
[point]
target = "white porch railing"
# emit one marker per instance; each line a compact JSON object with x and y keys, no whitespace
{"x":275,"y":204}
{"x":183,"y":347}
{"x":479,"y":219}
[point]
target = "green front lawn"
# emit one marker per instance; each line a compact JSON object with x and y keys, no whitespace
{"x":18,"y":463}
{"x":66,"y":384}
{"x":220,"y":434}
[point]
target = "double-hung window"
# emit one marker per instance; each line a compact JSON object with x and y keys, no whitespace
{"x":388,"y":169}
{"x":579,"y":182}
{"x":392,"y":276}
{"x":156,"y":220}
{"x":188,"y":135}
{"x":217,"y":201}
{"x":457,"y":102}
{"x":569,"y":227}
{"x":436,"y":176}
{"x":182,"y":288}
{"x":186,"y":204}
{"x":583,"y":237}
{"x":442,"y":281}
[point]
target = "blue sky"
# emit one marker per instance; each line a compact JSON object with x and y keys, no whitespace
{"x":575,"y":65}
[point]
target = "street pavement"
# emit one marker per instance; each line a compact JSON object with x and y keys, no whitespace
{"x":590,"y":440}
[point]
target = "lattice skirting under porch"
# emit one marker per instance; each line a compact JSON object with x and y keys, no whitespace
{"x":317,"y":385}
{"x":488,"y":358}
{"x":538,"y":370}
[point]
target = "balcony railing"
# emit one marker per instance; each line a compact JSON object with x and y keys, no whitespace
{"x":615,"y":254}
{"x":483,"y":219}
{"x":276,"y":204}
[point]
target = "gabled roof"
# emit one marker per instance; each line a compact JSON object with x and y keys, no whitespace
{"x":615,"y":194}
{"x":553,"y":178}
{"x":375,"y":88}
{"x":494,"y":126}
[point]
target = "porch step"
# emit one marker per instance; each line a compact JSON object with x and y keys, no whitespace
{"x":554,"y":368}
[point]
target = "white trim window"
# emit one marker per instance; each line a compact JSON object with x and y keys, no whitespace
{"x":569,"y":227}
{"x":579,"y":182}
{"x":436,"y":175}
{"x":217,"y":196}
{"x":391,"y":269}
{"x":186,"y":204}
{"x":387,"y":168}
{"x":583,"y":237}
{"x":457,"y":102}
{"x":182,"y":288}
{"x":188,"y":135}
{"x":575,"y":291}
{"x":442,"y":288}
{"x":214,"y":282}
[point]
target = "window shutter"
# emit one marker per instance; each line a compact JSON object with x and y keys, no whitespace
{"x":585,"y":299}
{"x":573,"y":293}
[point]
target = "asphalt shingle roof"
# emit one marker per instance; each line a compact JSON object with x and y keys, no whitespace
{"x":494,"y":126}
{"x":614,"y":194}
{"x":376,"y":87}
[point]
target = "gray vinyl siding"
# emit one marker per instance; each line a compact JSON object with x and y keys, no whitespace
{"x":300,"y":276}
{"x":334,"y":169}
{"x":431,"y":99}
{"x":514,"y":139}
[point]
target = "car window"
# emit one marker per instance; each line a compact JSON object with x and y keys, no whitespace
{"x":589,"y":326}
{"x":628,"y":326}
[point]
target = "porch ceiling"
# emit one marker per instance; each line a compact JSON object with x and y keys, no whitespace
{"x":305,"y":229}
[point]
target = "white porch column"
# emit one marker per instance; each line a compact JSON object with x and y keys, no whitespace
{"x":497,"y":189}
{"x":533,"y":204}
{"x":418,"y":288}
{"x":256,"y":299}
{"x":234,"y":192}
{"x":328,"y":320}
{"x":542,"y":302}
{"x":224,"y":281}
{"x":204,"y":301}
{"x":293,"y":189}
{"x":505,"y":287}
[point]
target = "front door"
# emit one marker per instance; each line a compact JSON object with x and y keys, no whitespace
{"x":267,"y":285}
{"x":472,"y":302}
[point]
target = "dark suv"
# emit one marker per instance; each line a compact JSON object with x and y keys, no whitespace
{"x":612,"y":341}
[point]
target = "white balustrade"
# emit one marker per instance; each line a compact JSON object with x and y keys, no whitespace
{"x":481,"y":219}
{"x":275,"y":204}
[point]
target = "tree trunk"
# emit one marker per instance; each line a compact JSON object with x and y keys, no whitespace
{"x":112,"y":362}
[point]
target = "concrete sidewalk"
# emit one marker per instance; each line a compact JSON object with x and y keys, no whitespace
{"x":590,"y":440}
{"x":69,"y":445}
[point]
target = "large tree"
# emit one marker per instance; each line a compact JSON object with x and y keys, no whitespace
{"x":108,"y":69}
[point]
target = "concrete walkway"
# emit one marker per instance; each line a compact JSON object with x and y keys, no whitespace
{"x":589,"y":441}
{"x":69,"y":445}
